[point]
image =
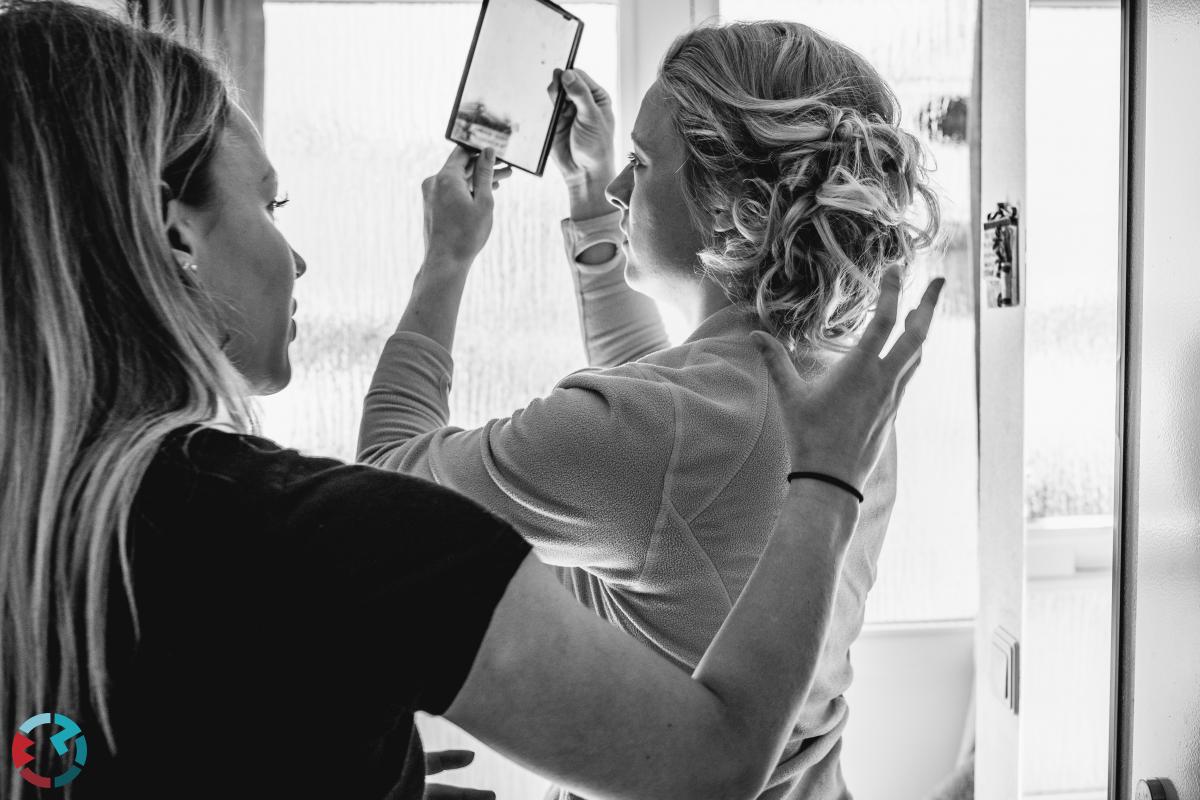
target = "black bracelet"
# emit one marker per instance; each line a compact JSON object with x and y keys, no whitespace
{"x":821,"y":476}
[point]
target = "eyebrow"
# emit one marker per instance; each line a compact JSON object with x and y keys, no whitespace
{"x":638,"y":141}
{"x":270,"y":174}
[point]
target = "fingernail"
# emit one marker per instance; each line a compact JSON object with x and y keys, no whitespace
{"x":489,"y":153}
{"x":568,"y":76}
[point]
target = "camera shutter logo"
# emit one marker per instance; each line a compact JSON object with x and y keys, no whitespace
{"x":21,"y":745}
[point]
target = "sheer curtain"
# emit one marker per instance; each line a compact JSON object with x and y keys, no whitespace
{"x":232,"y":31}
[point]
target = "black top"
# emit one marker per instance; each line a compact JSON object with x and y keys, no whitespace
{"x":294,"y":613}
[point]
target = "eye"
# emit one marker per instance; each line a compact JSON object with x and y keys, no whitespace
{"x":634,"y":161}
{"x":278,"y":203}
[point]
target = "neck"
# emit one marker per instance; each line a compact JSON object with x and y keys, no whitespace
{"x":694,"y":300}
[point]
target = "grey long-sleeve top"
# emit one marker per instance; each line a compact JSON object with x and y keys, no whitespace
{"x":650,"y":480}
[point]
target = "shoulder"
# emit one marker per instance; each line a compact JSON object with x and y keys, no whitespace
{"x":604,"y":402}
{"x":248,"y":479}
{"x":723,"y":374}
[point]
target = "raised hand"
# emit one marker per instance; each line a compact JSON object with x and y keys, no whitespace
{"x":583,"y":138}
{"x":459,"y":203}
{"x":838,"y":423}
{"x":442,"y":760}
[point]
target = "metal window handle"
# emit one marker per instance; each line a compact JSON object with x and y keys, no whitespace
{"x":1155,"y":789}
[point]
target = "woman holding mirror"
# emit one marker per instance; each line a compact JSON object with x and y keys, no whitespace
{"x":770,"y":188}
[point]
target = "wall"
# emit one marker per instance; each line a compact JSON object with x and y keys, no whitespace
{"x":908,"y":707}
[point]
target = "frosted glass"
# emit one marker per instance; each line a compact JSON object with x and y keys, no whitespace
{"x":1071,"y":338}
{"x":357,"y":100}
{"x":925,"y":50}
{"x":1073,"y":149}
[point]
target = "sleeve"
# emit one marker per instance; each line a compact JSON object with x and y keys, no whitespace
{"x":618,"y":324}
{"x":400,"y":579}
{"x":580,"y":473}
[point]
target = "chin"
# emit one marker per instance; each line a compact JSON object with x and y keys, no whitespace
{"x":640,"y":283}
{"x":633,"y":276}
{"x":273,"y":380}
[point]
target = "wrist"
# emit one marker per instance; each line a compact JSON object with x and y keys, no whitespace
{"x":586,"y":194}
{"x":441,"y":264}
{"x":830,"y":499}
{"x":825,"y":477}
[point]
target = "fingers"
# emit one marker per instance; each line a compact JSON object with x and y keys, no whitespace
{"x":458,"y":159}
{"x":554,"y":85}
{"x":779,"y":363}
{"x":485,"y":167}
{"x":441,"y":760}
{"x":501,"y":175}
{"x":909,"y":371}
{"x":586,"y":94}
{"x":599,"y":95}
{"x":916,"y":328}
{"x":880,"y":327}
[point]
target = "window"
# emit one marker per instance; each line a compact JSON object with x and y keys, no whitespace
{"x":925,"y":50}
{"x":357,"y":99}
{"x":1073,"y":150}
{"x":1071,"y":336}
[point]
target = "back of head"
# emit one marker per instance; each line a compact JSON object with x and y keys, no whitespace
{"x":798,"y":171}
{"x":105,"y":344}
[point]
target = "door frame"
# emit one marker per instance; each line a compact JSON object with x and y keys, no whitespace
{"x":1128,"y":407}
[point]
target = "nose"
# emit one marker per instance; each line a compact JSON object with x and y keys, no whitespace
{"x":301,"y":264}
{"x":619,"y":188}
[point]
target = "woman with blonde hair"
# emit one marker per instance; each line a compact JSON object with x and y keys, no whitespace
{"x":770,"y":188}
{"x":222,"y":617}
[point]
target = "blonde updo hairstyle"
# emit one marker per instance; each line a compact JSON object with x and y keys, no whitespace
{"x":796,"y":138}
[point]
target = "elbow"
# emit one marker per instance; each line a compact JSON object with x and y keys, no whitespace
{"x":749,"y":778}
{"x":737,"y":766}
{"x":737,"y":784}
{"x":735,"y":777}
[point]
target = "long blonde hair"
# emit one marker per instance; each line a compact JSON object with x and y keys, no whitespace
{"x":106,"y":345}
{"x":796,"y":138}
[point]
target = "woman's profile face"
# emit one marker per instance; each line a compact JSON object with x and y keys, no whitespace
{"x":662,"y":239}
{"x":242,"y":259}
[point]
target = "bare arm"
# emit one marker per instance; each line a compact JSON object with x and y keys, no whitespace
{"x":565,"y":694}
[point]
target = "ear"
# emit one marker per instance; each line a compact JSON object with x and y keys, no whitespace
{"x":180,"y":226}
